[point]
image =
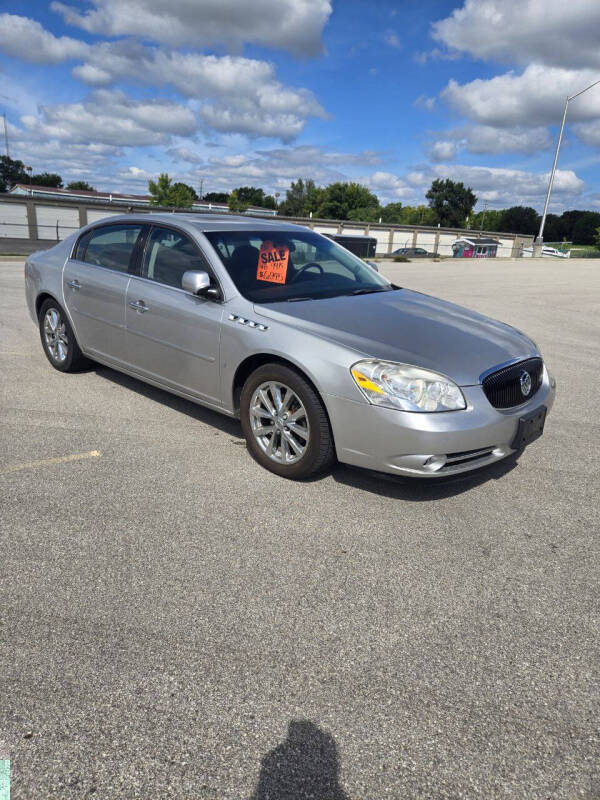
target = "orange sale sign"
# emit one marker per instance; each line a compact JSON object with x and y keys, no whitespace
{"x":272,"y":263}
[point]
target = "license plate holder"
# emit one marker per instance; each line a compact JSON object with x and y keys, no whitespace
{"x":531,"y":427}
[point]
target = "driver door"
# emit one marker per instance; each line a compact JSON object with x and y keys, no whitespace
{"x":173,"y":336}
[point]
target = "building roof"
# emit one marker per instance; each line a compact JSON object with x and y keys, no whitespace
{"x":478,"y":241}
{"x":20,"y":188}
{"x":116,"y":197}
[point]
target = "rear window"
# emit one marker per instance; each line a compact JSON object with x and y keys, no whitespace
{"x":110,"y":246}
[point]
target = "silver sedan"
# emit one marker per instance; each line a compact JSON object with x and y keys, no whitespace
{"x":319,"y":356}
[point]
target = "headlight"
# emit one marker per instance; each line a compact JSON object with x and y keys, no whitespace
{"x":401,"y":386}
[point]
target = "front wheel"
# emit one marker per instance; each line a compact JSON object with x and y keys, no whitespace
{"x":58,"y":339}
{"x":285,"y":423}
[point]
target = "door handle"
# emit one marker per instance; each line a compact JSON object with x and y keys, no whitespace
{"x":74,"y":284}
{"x":139,"y":305}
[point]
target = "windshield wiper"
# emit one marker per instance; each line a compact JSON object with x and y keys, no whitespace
{"x":297,"y":299}
{"x":371,"y":290}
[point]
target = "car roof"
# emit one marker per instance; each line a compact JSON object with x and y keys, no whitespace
{"x":205,"y":222}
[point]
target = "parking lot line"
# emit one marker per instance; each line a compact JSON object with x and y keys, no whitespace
{"x":47,"y":462}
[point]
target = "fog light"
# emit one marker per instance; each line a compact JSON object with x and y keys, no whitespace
{"x":434,"y":463}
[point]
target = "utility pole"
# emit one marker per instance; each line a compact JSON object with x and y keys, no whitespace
{"x":6,"y":135}
{"x":540,"y":238}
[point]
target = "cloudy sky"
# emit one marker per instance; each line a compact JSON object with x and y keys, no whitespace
{"x":233,"y":92}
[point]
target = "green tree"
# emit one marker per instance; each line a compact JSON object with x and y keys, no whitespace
{"x":520,"y":219}
{"x":488,"y":220}
{"x":159,"y":190}
{"x":451,"y":201}
{"x":253,"y":196}
{"x":300,"y":199}
{"x":164,"y":193}
{"x":569,"y":220}
{"x":11,"y":172}
{"x":343,"y":200}
{"x":236,"y":204}
{"x":584,"y":230}
{"x":80,"y":186}
{"x":416,"y":215}
{"x":180,"y":187}
{"x":47,"y":179}
{"x":555,"y":229}
{"x":367,"y":214}
{"x":216,"y":197}
{"x":392,"y":213}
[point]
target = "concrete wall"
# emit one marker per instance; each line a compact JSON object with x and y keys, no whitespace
{"x":28,"y":224}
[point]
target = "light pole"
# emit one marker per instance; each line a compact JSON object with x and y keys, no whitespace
{"x":540,"y":238}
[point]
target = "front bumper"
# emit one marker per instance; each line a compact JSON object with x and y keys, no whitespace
{"x":429,"y":445}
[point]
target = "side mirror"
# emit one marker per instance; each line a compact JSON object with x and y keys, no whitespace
{"x":195,"y":282}
{"x":373,"y":265}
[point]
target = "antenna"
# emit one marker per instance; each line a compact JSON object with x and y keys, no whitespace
{"x":6,"y":135}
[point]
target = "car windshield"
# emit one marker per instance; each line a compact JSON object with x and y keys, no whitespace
{"x":273,"y":266}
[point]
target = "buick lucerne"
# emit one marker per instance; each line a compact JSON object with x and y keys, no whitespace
{"x":319,"y":356}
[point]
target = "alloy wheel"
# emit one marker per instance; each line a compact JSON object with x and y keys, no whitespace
{"x":279,"y":422}
{"x":55,"y":335}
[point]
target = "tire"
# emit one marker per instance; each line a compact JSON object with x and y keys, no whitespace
{"x":59,"y":343}
{"x":302,"y":440}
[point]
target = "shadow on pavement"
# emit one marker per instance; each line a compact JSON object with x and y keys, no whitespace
{"x":201,"y":413}
{"x":304,"y":767}
{"x":420,"y":490}
{"x":397,"y":487}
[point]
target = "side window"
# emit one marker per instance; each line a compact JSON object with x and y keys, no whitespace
{"x":110,"y":246}
{"x":168,"y":254}
{"x":79,"y":253}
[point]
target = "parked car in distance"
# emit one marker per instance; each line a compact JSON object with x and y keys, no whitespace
{"x":547,"y":252}
{"x":319,"y":356}
{"x":412,"y":252}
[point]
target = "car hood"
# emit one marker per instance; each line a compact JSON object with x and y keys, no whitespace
{"x":409,"y":327}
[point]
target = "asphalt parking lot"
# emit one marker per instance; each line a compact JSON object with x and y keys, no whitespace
{"x":177,"y":622}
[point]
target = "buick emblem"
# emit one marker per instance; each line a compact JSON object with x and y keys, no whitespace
{"x":525,"y":381}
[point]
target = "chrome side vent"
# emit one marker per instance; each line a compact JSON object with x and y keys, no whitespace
{"x":250,"y":323}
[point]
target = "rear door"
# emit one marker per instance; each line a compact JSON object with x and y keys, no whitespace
{"x":95,"y":284}
{"x":173,"y":337}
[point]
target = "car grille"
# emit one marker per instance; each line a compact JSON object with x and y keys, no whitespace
{"x":503,"y":388}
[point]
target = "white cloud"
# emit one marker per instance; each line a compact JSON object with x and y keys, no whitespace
{"x":388,"y":186}
{"x":588,"y":132}
{"x":550,"y":32}
{"x":110,"y":117}
{"x":501,"y":186}
{"x":485,"y":139}
{"x":240,"y":95}
{"x":425,"y":103}
{"x":533,"y":98}
{"x":272,"y":169}
{"x":25,"y":38}
{"x":294,"y":25}
{"x":443,"y":150}
{"x":392,"y":39}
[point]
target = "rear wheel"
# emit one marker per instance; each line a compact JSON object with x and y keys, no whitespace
{"x":285,"y":423}
{"x":58,"y":339}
